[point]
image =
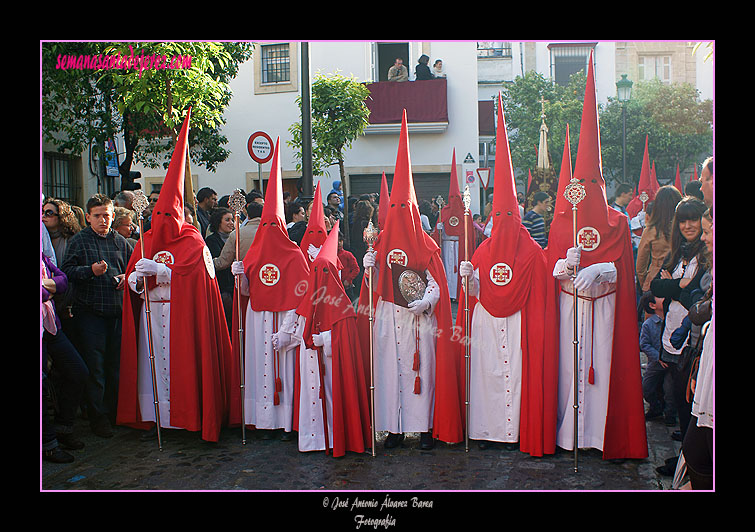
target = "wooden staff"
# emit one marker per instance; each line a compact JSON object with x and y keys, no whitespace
{"x":237,"y":202}
{"x":369,"y":236}
{"x":467,"y":199}
{"x":575,"y":193}
{"x":139,"y":204}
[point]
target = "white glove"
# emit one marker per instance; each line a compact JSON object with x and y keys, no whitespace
{"x":313,"y":251}
{"x":146,"y":267}
{"x":318,"y":340}
{"x":587,"y":276}
{"x":466,"y":269}
{"x":369,"y":259}
{"x":237,"y":267}
{"x":419,"y":306}
{"x":281,"y":340}
{"x":440,"y":226}
{"x":573,"y":256}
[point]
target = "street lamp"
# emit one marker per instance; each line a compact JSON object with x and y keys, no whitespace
{"x":624,"y":93}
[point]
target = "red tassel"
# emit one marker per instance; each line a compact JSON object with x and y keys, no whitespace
{"x":415,"y":366}
{"x":276,"y":399}
{"x":417,"y":386}
{"x":591,"y":376}
{"x":278,"y":385}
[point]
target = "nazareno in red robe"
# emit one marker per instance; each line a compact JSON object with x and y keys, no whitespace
{"x":510,"y":244}
{"x":325,"y":306}
{"x":403,"y":233}
{"x":200,"y":347}
{"x":625,"y":432}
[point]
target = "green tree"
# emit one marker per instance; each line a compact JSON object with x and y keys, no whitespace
{"x":339,"y":116}
{"x":83,"y":107}
{"x":678,"y":126}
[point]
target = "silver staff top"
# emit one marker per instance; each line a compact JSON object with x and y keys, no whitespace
{"x":237,"y":201}
{"x":574,"y":191}
{"x":140,"y":202}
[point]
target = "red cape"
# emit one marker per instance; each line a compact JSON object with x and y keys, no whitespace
{"x":538,"y":417}
{"x":200,"y":348}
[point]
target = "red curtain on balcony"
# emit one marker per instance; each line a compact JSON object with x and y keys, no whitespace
{"x":424,"y":101}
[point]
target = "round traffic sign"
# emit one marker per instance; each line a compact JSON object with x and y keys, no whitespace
{"x":260,"y":146}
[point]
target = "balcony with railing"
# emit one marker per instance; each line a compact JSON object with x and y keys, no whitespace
{"x":425,"y":102}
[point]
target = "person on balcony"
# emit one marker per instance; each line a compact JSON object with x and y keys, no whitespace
{"x":422,"y":71}
{"x":398,"y":72}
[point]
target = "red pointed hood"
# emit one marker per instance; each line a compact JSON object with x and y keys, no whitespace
{"x":316,"y":232}
{"x":645,"y":184}
{"x":168,"y":214}
{"x":678,"y":180}
{"x":325,"y":301}
{"x":402,"y":240}
{"x":505,"y":211}
{"x":600,"y":228}
{"x":505,"y":260}
{"x":274,"y":264}
{"x":452,"y":214}
{"x":385,"y":201}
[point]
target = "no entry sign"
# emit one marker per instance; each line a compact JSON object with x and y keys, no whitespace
{"x":260,"y":146}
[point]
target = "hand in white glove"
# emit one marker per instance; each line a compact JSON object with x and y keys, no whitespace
{"x":146,"y":267}
{"x":318,"y":340}
{"x":313,"y":251}
{"x":281,"y":340}
{"x":440,"y":226}
{"x":586,"y":277}
{"x":573,"y":256}
{"x":466,"y":269}
{"x":419,"y":306}
{"x":369,"y":259}
{"x":237,"y":267}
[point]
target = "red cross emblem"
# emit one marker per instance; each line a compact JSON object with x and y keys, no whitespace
{"x":397,"y":256}
{"x":269,"y":274}
{"x":501,"y":274}
{"x":164,"y":257}
{"x":589,"y":238}
{"x":453,"y":221}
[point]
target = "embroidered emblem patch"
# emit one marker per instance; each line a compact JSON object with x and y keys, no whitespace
{"x":396,"y":256}
{"x":589,"y":238}
{"x":501,"y":274}
{"x":207,"y":256}
{"x":165,"y":257}
{"x":269,"y":274}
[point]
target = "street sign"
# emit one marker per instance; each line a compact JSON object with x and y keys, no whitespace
{"x":260,"y":147}
{"x":484,"y":174}
{"x":470,"y":177}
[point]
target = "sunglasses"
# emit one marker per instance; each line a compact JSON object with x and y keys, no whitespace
{"x":49,"y":212}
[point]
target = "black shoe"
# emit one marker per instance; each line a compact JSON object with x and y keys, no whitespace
{"x":511,"y":446}
{"x":484,"y":444}
{"x":667,"y":470}
{"x":287,"y":436}
{"x":393,"y":440}
{"x":265,"y":434}
{"x":69,"y":441}
{"x":652,"y":414}
{"x":676,"y":435}
{"x":102,"y":428}
{"x":57,"y":455}
{"x":426,"y":441}
{"x":670,"y":421}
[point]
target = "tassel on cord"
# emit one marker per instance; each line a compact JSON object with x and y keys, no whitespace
{"x":591,"y":376}
{"x":415,"y":364}
{"x":276,"y":363}
{"x":417,"y":387}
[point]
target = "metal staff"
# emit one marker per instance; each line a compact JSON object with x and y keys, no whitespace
{"x":643,"y":198}
{"x":467,"y":199}
{"x":237,"y":202}
{"x":139,"y":204}
{"x":440,"y":203}
{"x":369,"y":235}
{"x":575,"y":193}
{"x":323,"y":395}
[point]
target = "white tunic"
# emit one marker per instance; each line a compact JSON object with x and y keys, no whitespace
{"x":397,"y":408}
{"x":159,"y":298}
{"x":596,"y":335}
{"x":495,"y":368}
{"x":311,"y":427}
{"x":450,"y":254}
{"x":259,"y":370}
